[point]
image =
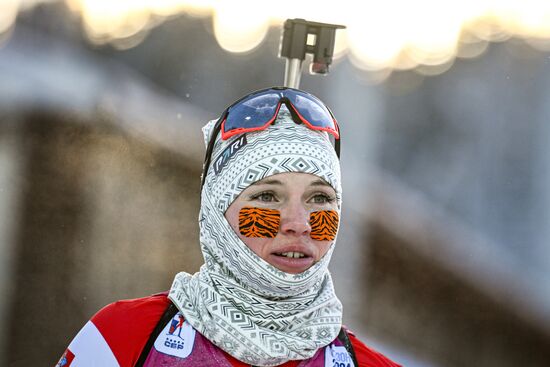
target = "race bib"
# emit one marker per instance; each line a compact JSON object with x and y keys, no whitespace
{"x":337,"y":356}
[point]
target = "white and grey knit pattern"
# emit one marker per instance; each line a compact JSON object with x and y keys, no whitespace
{"x":287,"y":147}
{"x":244,"y":305}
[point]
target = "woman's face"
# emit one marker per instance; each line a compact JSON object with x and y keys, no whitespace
{"x":295,"y":196}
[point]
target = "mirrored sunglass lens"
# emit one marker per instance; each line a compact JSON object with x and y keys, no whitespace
{"x":312,"y":110}
{"x":253,"y":112}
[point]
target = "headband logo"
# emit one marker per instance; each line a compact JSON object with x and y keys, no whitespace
{"x":229,"y":152}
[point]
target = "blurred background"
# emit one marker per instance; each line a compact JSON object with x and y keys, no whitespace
{"x":443,"y":258}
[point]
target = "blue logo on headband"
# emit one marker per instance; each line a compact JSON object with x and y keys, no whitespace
{"x":229,"y":152}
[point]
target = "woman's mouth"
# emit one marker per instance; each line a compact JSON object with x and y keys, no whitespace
{"x":295,"y":255}
{"x":292,"y":262}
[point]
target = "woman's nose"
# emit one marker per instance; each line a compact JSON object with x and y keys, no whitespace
{"x":295,"y":220}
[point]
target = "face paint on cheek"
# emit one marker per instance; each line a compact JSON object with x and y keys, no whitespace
{"x":259,"y":222}
{"x":324,"y":225}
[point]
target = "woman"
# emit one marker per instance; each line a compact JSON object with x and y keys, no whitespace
{"x":270,"y":207}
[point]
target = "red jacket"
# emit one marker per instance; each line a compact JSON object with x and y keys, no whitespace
{"x":117,"y":334}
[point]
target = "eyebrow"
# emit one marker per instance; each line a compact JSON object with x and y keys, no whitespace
{"x":318,"y":182}
{"x":267,"y":182}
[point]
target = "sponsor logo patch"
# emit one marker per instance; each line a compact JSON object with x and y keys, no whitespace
{"x":337,"y":356}
{"x":66,"y":359}
{"x":177,"y":338}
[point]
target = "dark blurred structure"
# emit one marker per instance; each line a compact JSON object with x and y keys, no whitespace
{"x":442,"y":260}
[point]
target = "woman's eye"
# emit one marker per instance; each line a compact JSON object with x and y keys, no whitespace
{"x":265,"y":197}
{"x":322,"y":198}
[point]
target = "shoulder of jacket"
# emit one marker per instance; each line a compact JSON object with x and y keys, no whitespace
{"x":367,"y":356}
{"x":129,"y":307}
{"x":126,"y":325}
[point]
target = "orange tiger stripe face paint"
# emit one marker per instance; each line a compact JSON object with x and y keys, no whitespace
{"x":324,"y":225}
{"x":259,"y":222}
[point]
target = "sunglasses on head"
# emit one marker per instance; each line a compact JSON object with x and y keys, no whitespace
{"x":258,"y":110}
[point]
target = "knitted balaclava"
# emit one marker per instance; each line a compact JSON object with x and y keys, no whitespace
{"x":247,"y":307}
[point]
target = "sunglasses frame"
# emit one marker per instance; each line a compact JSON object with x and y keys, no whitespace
{"x":297,"y":117}
{"x":283,"y":99}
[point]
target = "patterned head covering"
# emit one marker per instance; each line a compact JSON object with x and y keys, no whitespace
{"x":247,"y":307}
